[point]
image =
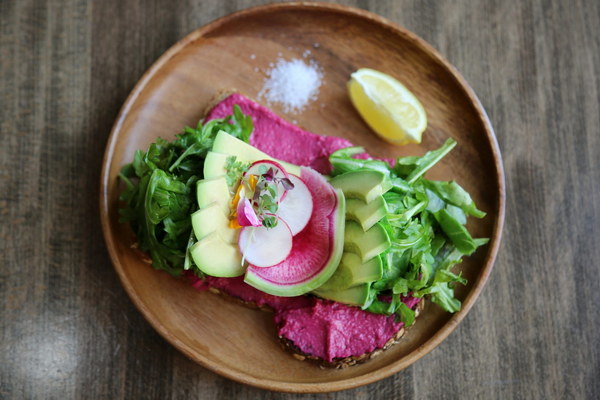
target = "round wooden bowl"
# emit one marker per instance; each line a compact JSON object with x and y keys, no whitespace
{"x":235,"y":52}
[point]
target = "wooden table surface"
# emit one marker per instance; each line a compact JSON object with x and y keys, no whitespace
{"x":69,"y":330}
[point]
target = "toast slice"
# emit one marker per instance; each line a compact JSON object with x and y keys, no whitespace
{"x":235,"y":290}
{"x":281,"y":139}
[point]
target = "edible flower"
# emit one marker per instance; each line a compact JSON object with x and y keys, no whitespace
{"x":246,"y":216}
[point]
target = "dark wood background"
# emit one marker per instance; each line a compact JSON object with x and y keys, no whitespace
{"x":68,"y":329}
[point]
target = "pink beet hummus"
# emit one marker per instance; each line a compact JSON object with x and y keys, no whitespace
{"x":333,"y":330}
{"x":281,"y":139}
{"x":317,"y":327}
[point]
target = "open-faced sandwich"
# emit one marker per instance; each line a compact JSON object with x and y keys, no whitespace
{"x":341,"y":248}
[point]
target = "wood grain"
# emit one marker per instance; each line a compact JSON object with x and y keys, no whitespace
{"x":70,"y":331}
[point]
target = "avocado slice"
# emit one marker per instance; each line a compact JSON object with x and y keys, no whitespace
{"x":214,"y":190}
{"x":365,"y":185}
{"x":365,"y":244}
{"x":356,"y":295}
{"x":213,"y":256}
{"x":211,"y":219}
{"x":214,"y":164}
{"x":366,"y":214}
{"x":227,"y":144}
{"x":352,"y":272}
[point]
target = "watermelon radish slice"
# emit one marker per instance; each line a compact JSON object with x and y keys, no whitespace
{"x":264,"y":247}
{"x":297,"y":206}
{"x":316,"y":250}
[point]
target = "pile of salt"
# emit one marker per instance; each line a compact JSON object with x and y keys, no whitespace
{"x":293,"y":84}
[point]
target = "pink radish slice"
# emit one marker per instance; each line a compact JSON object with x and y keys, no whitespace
{"x":297,"y":207}
{"x":254,"y":168}
{"x":278,"y":172}
{"x":265,"y":247}
{"x":316,"y":251}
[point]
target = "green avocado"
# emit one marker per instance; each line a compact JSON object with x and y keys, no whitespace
{"x":227,"y":144}
{"x":365,"y":185}
{"x":367,"y":244}
{"x":355,"y":296}
{"x":352,"y":272}
{"x":366,"y":214}
{"x":214,"y":164}
{"x":214,"y":190}
{"x":211,"y":219}
{"x":213,"y":256}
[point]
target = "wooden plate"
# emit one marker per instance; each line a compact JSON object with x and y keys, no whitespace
{"x":235,"y":52}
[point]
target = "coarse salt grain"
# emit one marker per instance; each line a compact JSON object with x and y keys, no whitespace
{"x":293,"y":84}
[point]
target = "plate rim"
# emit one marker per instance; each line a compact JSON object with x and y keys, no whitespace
{"x":305,"y":387}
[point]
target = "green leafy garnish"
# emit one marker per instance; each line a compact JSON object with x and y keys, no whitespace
{"x":264,"y":199}
{"x":235,"y":170}
{"x":263,"y":193}
{"x":160,"y":189}
{"x":411,"y":168}
{"x":426,"y":224}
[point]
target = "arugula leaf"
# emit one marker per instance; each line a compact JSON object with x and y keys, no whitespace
{"x":456,"y":213}
{"x":457,"y":233}
{"x":411,"y":168}
{"x":481,"y":241}
{"x":449,"y":191}
{"x":159,"y":194}
{"x":406,"y":314}
{"x":454,"y":194}
{"x":188,"y":262}
{"x":443,"y":295}
{"x":377,"y":306}
{"x":400,"y":286}
{"x":342,"y":161}
{"x":434,"y":203}
{"x":425,"y":221}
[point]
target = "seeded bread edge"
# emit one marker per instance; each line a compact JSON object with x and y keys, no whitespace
{"x":218,"y":97}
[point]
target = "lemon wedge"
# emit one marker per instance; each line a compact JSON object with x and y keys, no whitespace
{"x":387,"y":106}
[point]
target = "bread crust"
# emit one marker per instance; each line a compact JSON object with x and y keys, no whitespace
{"x":218,"y":97}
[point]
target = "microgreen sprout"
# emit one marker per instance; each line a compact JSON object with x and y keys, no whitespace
{"x":235,"y":171}
{"x":264,"y":196}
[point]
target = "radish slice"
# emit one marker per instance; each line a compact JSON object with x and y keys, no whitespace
{"x":265,"y":247}
{"x":254,"y":169}
{"x":297,"y":207}
{"x":278,"y":172}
